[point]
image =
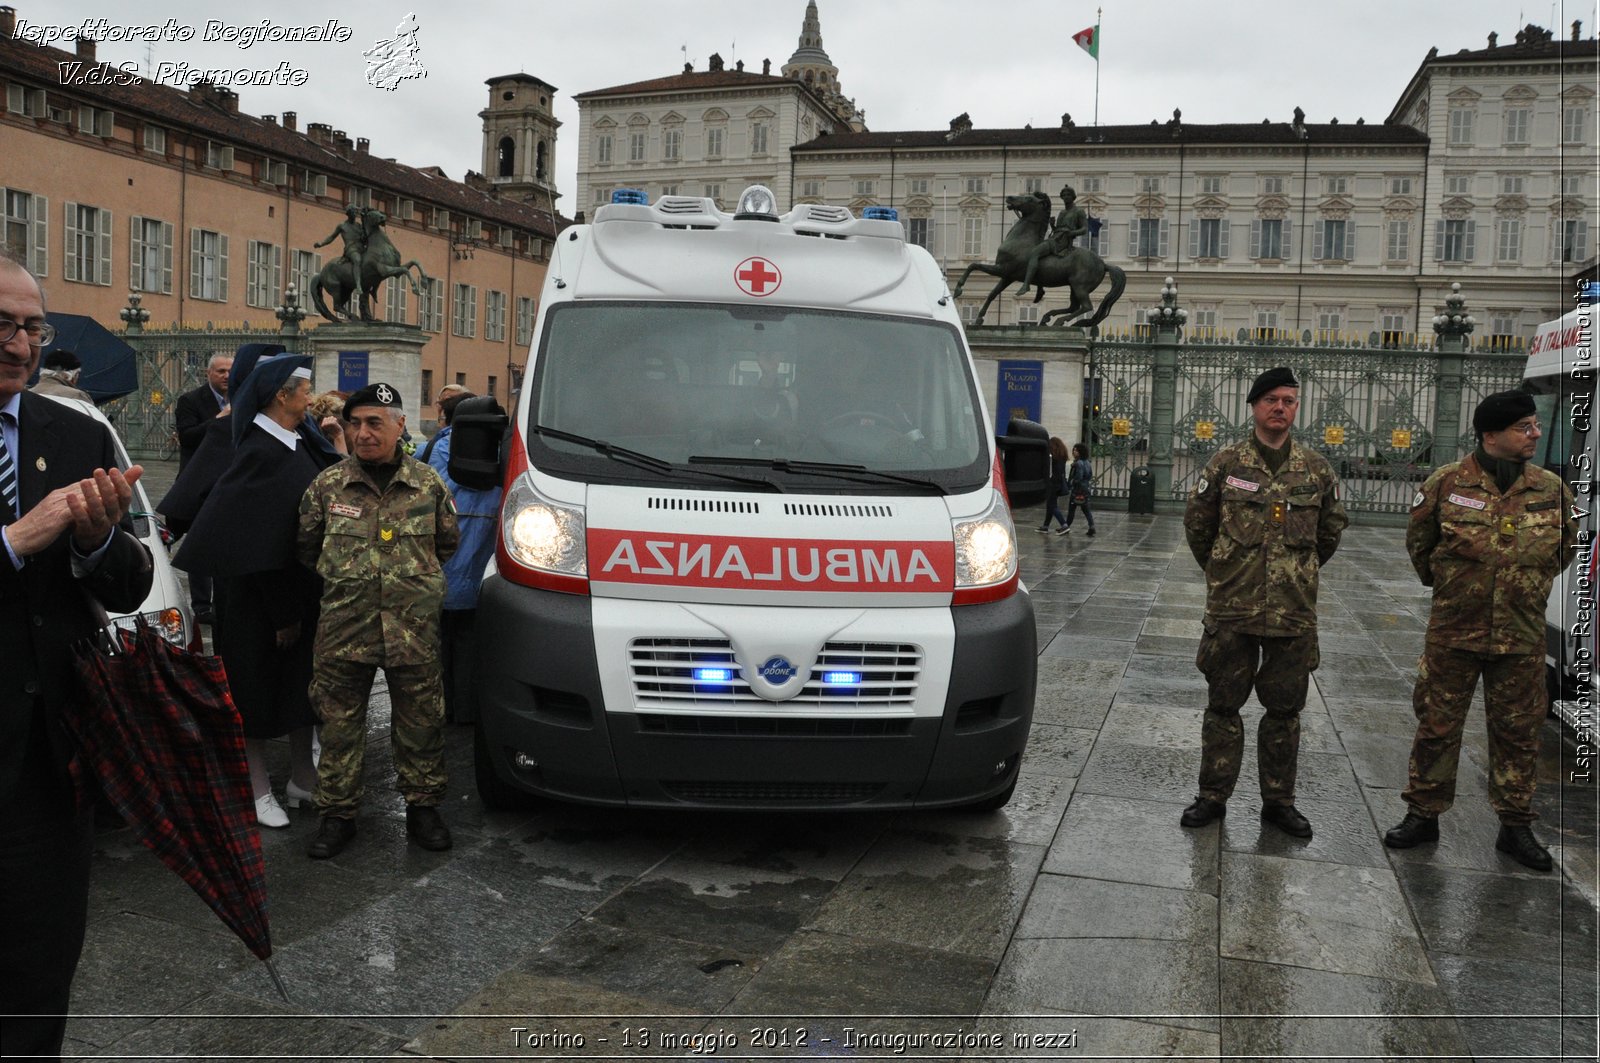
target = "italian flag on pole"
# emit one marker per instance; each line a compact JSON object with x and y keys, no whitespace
{"x":1089,"y":41}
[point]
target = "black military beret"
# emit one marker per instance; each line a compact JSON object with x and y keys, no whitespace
{"x":1502,"y":410}
{"x":373,"y":395}
{"x":1281,"y":377}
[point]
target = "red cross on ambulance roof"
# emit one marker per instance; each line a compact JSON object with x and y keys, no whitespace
{"x":757,"y":277}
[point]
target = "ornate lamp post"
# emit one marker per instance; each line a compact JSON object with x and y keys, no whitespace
{"x":291,"y":313}
{"x":133,"y":315}
{"x":1452,"y":327}
{"x":1455,"y":324}
{"x":1166,"y":323}
{"x":1169,"y":316}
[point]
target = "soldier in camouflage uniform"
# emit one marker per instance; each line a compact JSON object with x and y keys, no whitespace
{"x":1489,"y":534}
{"x":1262,"y":519}
{"x":378,"y":527}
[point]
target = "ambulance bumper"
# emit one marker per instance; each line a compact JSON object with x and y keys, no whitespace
{"x":548,"y":732}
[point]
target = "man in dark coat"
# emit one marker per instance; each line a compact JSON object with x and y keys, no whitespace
{"x":194,"y":413}
{"x":63,"y":508}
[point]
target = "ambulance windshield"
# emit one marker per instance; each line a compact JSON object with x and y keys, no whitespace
{"x":750,"y":386}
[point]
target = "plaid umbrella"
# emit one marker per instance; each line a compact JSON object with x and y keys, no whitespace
{"x":161,"y":734}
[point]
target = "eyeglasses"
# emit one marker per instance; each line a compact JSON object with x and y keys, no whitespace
{"x":1530,"y":429}
{"x":39,"y":333}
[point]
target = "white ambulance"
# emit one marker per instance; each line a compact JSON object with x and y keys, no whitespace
{"x":1561,"y":374}
{"x":755,"y":549}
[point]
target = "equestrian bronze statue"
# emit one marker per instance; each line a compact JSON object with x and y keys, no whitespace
{"x":1032,"y":254}
{"x":379,"y":261}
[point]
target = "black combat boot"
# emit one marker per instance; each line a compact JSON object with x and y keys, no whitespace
{"x":1287,"y":819}
{"x":1203,"y":811}
{"x":334,"y":834}
{"x":1413,"y":830}
{"x":1517,"y":840}
{"x":425,"y":827}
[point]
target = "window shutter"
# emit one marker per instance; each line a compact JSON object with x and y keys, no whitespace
{"x":1318,"y":244}
{"x":1133,"y":238}
{"x":1255,"y":237}
{"x":222,"y":268}
{"x":1466,"y":254}
{"x":41,"y":229}
{"x":277,"y":274}
{"x":1438,"y":241}
{"x":103,"y":248}
{"x":1580,"y":242}
{"x":196,"y":274}
{"x":71,"y":270}
{"x":166,"y":258}
{"x":1194,"y":237}
{"x":1161,"y":238}
{"x":1288,"y":239}
{"x":1222,"y":238}
{"x":135,"y":254}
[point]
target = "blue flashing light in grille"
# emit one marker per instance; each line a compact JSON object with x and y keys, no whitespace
{"x":713,"y":675}
{"x":881,"y":214}
{"x":841,"y":679}
{"x":630,"y":195}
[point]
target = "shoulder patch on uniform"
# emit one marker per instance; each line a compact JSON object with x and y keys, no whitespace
{"x":1200,"y":488}
{"x":1470,"y":503}
{"x":1243,"y":485}
{"x":1417,"y":499}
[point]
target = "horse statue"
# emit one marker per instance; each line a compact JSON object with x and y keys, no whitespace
{"x":379,"y":262}
{"x":1079,"y":269}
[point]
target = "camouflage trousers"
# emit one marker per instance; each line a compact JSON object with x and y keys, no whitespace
{"x":1514,"y":706}
{"x":1278,"y":669}
{"x":339,"y":694}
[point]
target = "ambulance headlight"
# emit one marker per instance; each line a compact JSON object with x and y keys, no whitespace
{"x":542,"y":534}
{"x":986,"y":548}
{"x":757,"y":201}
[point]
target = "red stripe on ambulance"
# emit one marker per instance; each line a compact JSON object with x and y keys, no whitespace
{"x":751,"y":563}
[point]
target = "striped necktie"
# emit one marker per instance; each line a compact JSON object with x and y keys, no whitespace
{"x":8,"y":470}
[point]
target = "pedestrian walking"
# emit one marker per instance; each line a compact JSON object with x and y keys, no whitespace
{"x":1078,"y":489}
{"x":477,"y":515}
{"x":1262,"y":519}
{"x":67,"y":546}
{"x":1059,"y":462}
{"x":378,"y":527}
{"x":1489,"y":534}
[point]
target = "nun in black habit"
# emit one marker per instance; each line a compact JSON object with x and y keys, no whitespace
{"x":266,"y":601}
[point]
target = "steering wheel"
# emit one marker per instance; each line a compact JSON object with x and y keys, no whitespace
{"x":862,"y":419}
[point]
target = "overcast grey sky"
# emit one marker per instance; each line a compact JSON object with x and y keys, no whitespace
{"x":911,"y":65}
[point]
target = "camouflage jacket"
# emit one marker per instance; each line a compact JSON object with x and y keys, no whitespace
{"x":1490,"y":557}
{"x":381,"y":557}
{"x":1261,"y":537}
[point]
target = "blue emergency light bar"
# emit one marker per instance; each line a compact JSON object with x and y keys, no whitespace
{"x":630,"y":195}
{"x":880,"y":214}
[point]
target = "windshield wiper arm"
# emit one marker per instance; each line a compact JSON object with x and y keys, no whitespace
{"x":857,"y":473}
{"x":641,"y":460}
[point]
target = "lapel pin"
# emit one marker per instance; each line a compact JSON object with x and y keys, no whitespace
{"x":40,"y":465}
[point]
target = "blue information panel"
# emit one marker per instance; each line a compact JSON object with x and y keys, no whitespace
{"x":1018,"y":393}
{"x":352,"y":370}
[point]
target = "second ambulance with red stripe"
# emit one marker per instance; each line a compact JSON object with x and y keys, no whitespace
{"x":755,"y":551}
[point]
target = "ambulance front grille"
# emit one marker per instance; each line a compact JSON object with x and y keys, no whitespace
{"x":835,"y":509}
{"x":776,"y":793}
{"x":663,"y":671}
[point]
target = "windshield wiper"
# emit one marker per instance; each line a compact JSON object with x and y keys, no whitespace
{"x":640,"y":460}
{"x":856,"y":473}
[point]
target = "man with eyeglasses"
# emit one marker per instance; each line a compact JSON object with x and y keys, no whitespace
{"x":63,"y":505}
{"x":1489,"y":534}
{"x":1262,"y":520}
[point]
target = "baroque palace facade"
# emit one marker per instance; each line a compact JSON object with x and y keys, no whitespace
{"x":1484,"y":173}
{"x":210,"y":214}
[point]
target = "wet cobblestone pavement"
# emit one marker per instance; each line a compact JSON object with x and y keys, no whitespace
{"x":1079,"y":921}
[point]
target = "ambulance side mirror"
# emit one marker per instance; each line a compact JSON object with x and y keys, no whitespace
{"x":476,"y":430}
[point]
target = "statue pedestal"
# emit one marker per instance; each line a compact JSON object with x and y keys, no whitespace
{"x":352,"y":354}
{"x":1064,"y":355}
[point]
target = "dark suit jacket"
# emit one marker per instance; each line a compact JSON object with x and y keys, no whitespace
{"x":42,"y":607}
{"x":195,"y":410}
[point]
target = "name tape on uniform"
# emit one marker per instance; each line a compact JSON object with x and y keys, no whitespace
{"x":1243,"y":485}
{"x":1470,"y":503}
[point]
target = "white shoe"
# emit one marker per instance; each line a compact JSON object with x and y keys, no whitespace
{"x":269,"y":813}
{"x":1064,"y":531}
{"x":295,"y":797}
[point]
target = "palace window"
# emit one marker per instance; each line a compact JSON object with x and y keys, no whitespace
{"x":524,"y":320}
{"x":208,"y":265}
{"x":1453,"y":240}
{"x":1518,"y":119}
{"x":263,"y":273}
{"x":1397,"y":240}
{"x":88,"y":244}
{"x":604,"y":144}
{"x":1461,"y":123}
{"x":1332,"y":241}
{"x":430,"y":305}
{"x":714,"y":138}
{"x":303,"y":269}
{"x":150,"y":255}
{"x":464,"y":311}
{"x":1508,"y":240}
{"x":24,"y":228}
{"x":494,"y":316}
{"x":394,"y":303}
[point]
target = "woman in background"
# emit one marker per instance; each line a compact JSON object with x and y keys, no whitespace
{"x":1057,"y":488}
{"x":1078,"y":480}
